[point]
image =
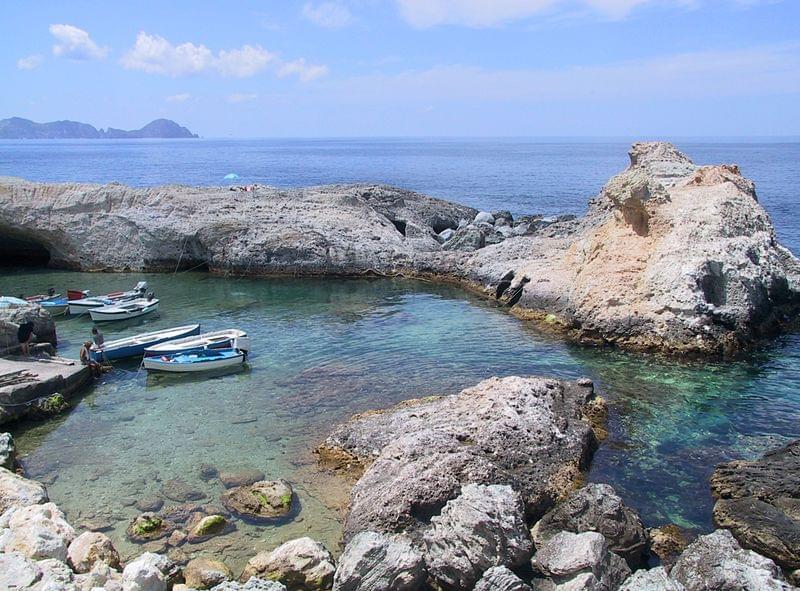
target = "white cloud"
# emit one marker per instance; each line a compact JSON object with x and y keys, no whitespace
{"x":156,"y":55}
{"x":237,"y":98}
{"x":331,"y":15}
{"x":75,"y":43}
{"x":179,"y":98}
{"x":30,"y":62}
{"x":303,"y":70}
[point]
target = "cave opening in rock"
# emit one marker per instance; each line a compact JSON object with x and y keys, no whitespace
{"x":18,"y":249}
{"x":400,"y":225}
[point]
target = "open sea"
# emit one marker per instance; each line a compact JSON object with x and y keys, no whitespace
{"x":327,"y":348}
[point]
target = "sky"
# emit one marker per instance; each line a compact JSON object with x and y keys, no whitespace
{"x":361,"y":68}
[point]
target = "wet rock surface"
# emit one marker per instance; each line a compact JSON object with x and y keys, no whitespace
{"x":265,"y":500}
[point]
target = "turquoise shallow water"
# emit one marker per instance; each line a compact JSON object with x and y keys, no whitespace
{"x":327,"y":348}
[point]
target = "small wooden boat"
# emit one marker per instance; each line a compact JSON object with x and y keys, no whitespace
{"x":135,"y":346}
{"x":219,"y":339}
{"x":77,"y":294}
{"x":195,"y":361}
{"x":55,"y":307}
{"x":39,"y":298}
{"x":83,"y":305}
{"x":124,"y":310}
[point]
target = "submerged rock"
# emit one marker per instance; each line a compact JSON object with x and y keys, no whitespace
{"x":208,"y":526}
{"x":16,"y":491}
{"x":149,"y":504}
{"x":483,"y":527}
{"x":180,"y":491}
{"x":301,"y":565}
{"x":205,"y":573}
{"x":667,"y":542}
{"x":268,"y":499}
{"x":90,"y":548}
{"x":529,"y":433}
{"x":373,"y":561}
{"x":148,"y":526}
{"x":240,"y":478}
{"x":597,"y":507}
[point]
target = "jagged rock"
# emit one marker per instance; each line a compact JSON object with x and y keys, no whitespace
{"x":240,"y":478}
{"x":500,"y":578}
{"x":8,"y":453}
{"x":180,"y":491}
{"x":529,"y":433}
{"x":468,"y":238}
{"x":373,"y":561}
{"x":667,"y":542}
{"x":37,"y":531}
{"x":205,"y":573}
{"x":254,"y":584}
{"x":301,"y":565}
{"x":89,"y":548}
{"x":208,"y":526}
{"x":717,"y":561}
{"x":655,"y":579}
{"x":597,"y":507}
{"x":17,"y":571}
{"x":581,"y":561}
{"x":268,"y":499}
{"x":101,"y":575}
{"x":481,"y":528}
{"x":16,"y":491}
{"x":775,"y":475}
{"x":55,"y":576}
{"x":149,"y":572}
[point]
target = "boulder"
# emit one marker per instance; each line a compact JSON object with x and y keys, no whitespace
{"x":264,"y":500}
{"x":775,"y":475}
{"x":483,"y":217}
{"x":16,"y":491}
{"x":483,"y":527}
{"x":655,"y":579}
{"x":253,"y":584}
{"x":529,"y":433}
{"x":717,"y":561}
{"x":667,"y":542}
{"x":37,"y":531}
{"x":208,"y":526}
{"x":468,"y":238}
{"x":503,"y":218}
{"x":373,"y":561}
{"x":148,"y":526}
{"x":8,"y":453}
{"x":180,"y":491}
{"x":90,"y":548}
{"x":149,"y":572}
{"x":597,"y":507}
{"x":240,"y":478}
{"x":149,"y":504}
{"x":208,"y":472}
{"x":500,"y":578}
{"x":17,"y":571}
{"x":44,"y":327}
{"x":101,"y":575}
{"x":205,"y":573}
{"x":581,"y":561}
{"x":301,"y":565}
{"x":446,"y":235}
{"x":55,"y":576}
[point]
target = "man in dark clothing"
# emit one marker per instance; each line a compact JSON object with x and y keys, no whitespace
{"x":24,"y":336}
{"x":98,"y":337}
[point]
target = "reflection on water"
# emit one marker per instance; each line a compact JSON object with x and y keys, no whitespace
{"x":325,"y":349}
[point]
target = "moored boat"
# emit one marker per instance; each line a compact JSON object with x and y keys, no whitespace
{"x":124,"y":310}
{"x":218,"y":339}
{"x":55,"y":307}
{"x":83,"y":305}
{"x":196,"y":361}
{"x":135,"y":346}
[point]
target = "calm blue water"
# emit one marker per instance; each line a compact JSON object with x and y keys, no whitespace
{"x":328,"y":348}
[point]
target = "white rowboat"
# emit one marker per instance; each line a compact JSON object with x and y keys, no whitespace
{"x":85,"y":304}
{"x":195,"y":361}
{"x":134,"y":346}
{"x":219,"y":339}
{"x":124,"y":310}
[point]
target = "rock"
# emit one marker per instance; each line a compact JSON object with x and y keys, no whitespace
{"x":17,"y":571}
{"x":208,"y":472}
{"x":597,"y":507}
{"x":240,"y":478}
{"x":775,"y":475}
{"x":16,"y":491}
{"x":8,"y":453}
{"x":483,"y":217}
{"x":148,"y":526}
{"x":44,"y":327}
{"x":208,"y":526}
{"x":655,"y":579}
{"x":483,"y":527}
{"x":667,"y":542}
{"x":268,"y":499}
{"x":529,"y":433}
{"x":101,"y":575}
{"x":55,"y":575}
{"x":149,"y":572}
{"x":446,"y":235}
{"x":503,"y":218}
{"x":177,"y":537}
{"x":36,"y":531}
{"x":468,"y":238}
{"x":373,"y":561}
{"x":499,"y":578}
{"x":149,"y":504}
{"x":205,"y":573}
{"x":254,"y":584}
{"x":89,"y":548}
{"x":581,"y":561}
{"x":180,"y":491}
{"x":301,"y":565}
{"x":761,"y":527}
{"x":717,"y":561}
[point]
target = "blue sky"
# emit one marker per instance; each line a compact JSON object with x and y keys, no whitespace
{"x":409,"y":67}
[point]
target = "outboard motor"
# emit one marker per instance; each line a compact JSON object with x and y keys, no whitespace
{"x":141,"y":287}
{"x":242,"y":344}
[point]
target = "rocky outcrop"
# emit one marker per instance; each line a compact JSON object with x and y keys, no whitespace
{"x":36,"y":531}
{"x":655,"y":579}
{"x":670,"y":256}
{"x":529,"y":433}
{"x":759,"y":502}
{"x":90,"y":548}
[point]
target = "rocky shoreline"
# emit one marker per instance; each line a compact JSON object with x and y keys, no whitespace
{"x":479,"y":490}
{"x":670,"y":256}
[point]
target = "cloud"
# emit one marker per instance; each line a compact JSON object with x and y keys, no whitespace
{"x":179,"y":98}
{"x":330,"y":15}
{"x":303,"y":70}
{"x":75,"y":43}
{"x":30,"y":62}
{"x":156,"y":55}
{"x":237,"y":98}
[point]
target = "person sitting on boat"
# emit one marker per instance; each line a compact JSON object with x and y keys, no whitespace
{"x":86,"y":358}
{"x":98,"y":338}
{"x":24,"y":336}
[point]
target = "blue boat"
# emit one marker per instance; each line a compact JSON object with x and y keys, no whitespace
{"x":134,"y":346}
{"x":56,"y":306}
{"x":195,"y":361}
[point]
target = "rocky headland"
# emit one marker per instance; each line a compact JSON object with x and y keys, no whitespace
{"x":669,"y":257}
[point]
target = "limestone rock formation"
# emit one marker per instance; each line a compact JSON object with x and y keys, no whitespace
{"x":90,"y":548}
{"x":500,"y":578}
{"x":44,"y":327}
{"x":37,"y":531}
{"x":149,"y":572}
{"x":253,"y":584}
{"x":205,"y":573}
{"x":301,"y":565}
{"x":655,"y":579}
{"x":529,"y":433}
{"x":16,"y":491}
{"x":373,"y":561}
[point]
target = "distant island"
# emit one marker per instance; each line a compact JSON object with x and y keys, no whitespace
{"x":17,"y":128}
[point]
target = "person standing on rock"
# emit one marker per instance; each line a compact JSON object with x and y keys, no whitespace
{"x":24,"y":336}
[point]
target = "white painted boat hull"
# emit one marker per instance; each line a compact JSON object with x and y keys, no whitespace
{"x":219,"y":339}
{"x":100,"y":315}
{"x":156,"y":364}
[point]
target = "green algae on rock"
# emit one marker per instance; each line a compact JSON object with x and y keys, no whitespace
{"x":268,"y":499}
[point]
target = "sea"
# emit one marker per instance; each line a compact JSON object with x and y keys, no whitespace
{"x":327,"y":348}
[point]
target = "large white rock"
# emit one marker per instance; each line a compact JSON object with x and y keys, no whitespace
{"x":655,"y":579}
{"x":56,"y":576}
{"x":89,"y":548}
{"x":37,"y":531}
{"x":16,"y":491}
{"x":373,"y":561}
{"x":101,"y":575}
{"x":149,"y":572}
{"x":301,"y":564}
{"x":17,"y":571}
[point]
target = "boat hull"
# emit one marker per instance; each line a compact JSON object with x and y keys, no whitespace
{"x":135,"y":346}
{"x":221,"y":339}
{"x":159,"y":364}
{"x":100,"y":315}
